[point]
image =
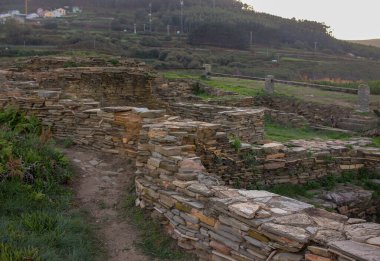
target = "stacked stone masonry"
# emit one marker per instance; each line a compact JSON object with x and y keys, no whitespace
{"x":243,"y":123}
{"x":295,"y":162}
{"x":111,"y":86}
{"x":220,"y":223}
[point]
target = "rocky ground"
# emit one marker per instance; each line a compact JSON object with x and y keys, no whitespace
{"x":100,"y":187}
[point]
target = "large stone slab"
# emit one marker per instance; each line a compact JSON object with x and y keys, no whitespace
{"x":358,"y":251}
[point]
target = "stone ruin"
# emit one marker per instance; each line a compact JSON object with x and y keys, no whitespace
{"x":186,"y":167}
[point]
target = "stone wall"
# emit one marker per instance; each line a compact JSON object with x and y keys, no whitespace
{"x":315,"y":113}
{"x":130,"y":84}
{"x":287,"y":119}
{"x":243,"y":123}
{"x":220,"y":223}
{"x":109,"y":129}
{"x":296,"y":162}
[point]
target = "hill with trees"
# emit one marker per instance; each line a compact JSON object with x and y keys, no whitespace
{"x":222,"y":23}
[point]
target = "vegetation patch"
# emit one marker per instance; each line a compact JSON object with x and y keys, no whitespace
{"x":282,"y":133}
{"x":37,"y":221}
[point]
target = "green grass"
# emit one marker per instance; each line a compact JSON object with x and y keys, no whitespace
{"x":373,"y":85}
{"x":281,"y":133}
{"x":172,"y":75}
{"x":376,"y":141}
{"x":37,"y":220}
{"x":154,"y":242}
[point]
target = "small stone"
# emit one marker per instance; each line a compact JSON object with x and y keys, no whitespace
{"x":287,"y":257}
{"x":220,"y":247}
{"x":203,"y":218}
{"x":200,"y":189}
{"x":312,"y":257}
{"x":353,"y":221}
{"x":94,"y":162}
{"x":263,"y":214}
{"x":320,"y":251}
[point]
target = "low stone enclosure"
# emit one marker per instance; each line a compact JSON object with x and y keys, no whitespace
{"x":186,"y":169}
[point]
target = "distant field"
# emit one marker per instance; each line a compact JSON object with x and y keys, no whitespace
{"x":372,"y":42}
{"x":252,"y":88}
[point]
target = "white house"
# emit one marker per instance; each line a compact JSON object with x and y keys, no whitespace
{"x":32,"y":16}
{"x":76,"y":10}
{"x":60,"y":12}
{"x":40,"y":12}
{"x":14,"y":12}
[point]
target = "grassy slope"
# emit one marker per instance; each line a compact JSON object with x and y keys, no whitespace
{"x":37,"y":221}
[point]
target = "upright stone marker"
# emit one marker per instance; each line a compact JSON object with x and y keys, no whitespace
{"x":207,"y":68}
{"x":363,"y":98}
{"x":269,"y":84}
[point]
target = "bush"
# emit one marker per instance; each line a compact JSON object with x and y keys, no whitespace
{"x":150,"y":42}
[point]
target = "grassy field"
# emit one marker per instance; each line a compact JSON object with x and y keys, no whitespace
{"x":37,"y":219}
{"x":282,"y":133}
{"x":253,"y":88}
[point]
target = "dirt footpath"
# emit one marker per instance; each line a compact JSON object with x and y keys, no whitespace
{"x":100,"y":185}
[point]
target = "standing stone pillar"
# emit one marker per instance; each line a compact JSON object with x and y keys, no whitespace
{"x":269,"y":84}
{"x":207,"y":71}
{"x":363,"y":98}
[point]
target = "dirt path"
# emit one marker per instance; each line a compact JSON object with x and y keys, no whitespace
{"x":100,"y":186}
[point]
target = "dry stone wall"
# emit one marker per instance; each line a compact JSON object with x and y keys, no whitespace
{"x":243,"y":123}
{"x":220,"y":223}
{"x":296,"y":162}
{"x":109,"y":129}
{"x":315,"y":113}
{"x":129,"y":83}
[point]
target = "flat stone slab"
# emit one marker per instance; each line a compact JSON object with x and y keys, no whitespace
{"x":295,"y":233}
{"x":256,"y":194}
{"x":246,"y":210}
{"x":200,"y":189}
{"x":358,"y":251}
{"x":288,"y":204}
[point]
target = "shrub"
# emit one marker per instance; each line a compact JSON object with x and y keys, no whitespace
{"x":235,"y":143}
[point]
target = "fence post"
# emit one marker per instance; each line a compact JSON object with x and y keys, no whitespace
{"x":207,"y":70}
{"x":269,"y":85}
{"x":364,"y":93}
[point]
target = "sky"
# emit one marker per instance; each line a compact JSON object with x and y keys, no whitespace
{"x":348,"y":19}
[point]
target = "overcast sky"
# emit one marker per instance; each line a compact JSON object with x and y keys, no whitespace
{"x":349,"y":19}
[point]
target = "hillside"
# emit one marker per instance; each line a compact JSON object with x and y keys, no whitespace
{"x":372,"y":42}
{"x":227,"y":23}
{"x":230,"y":35}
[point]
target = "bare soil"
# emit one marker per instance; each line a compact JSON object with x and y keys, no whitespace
{"x":100,"y":186}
